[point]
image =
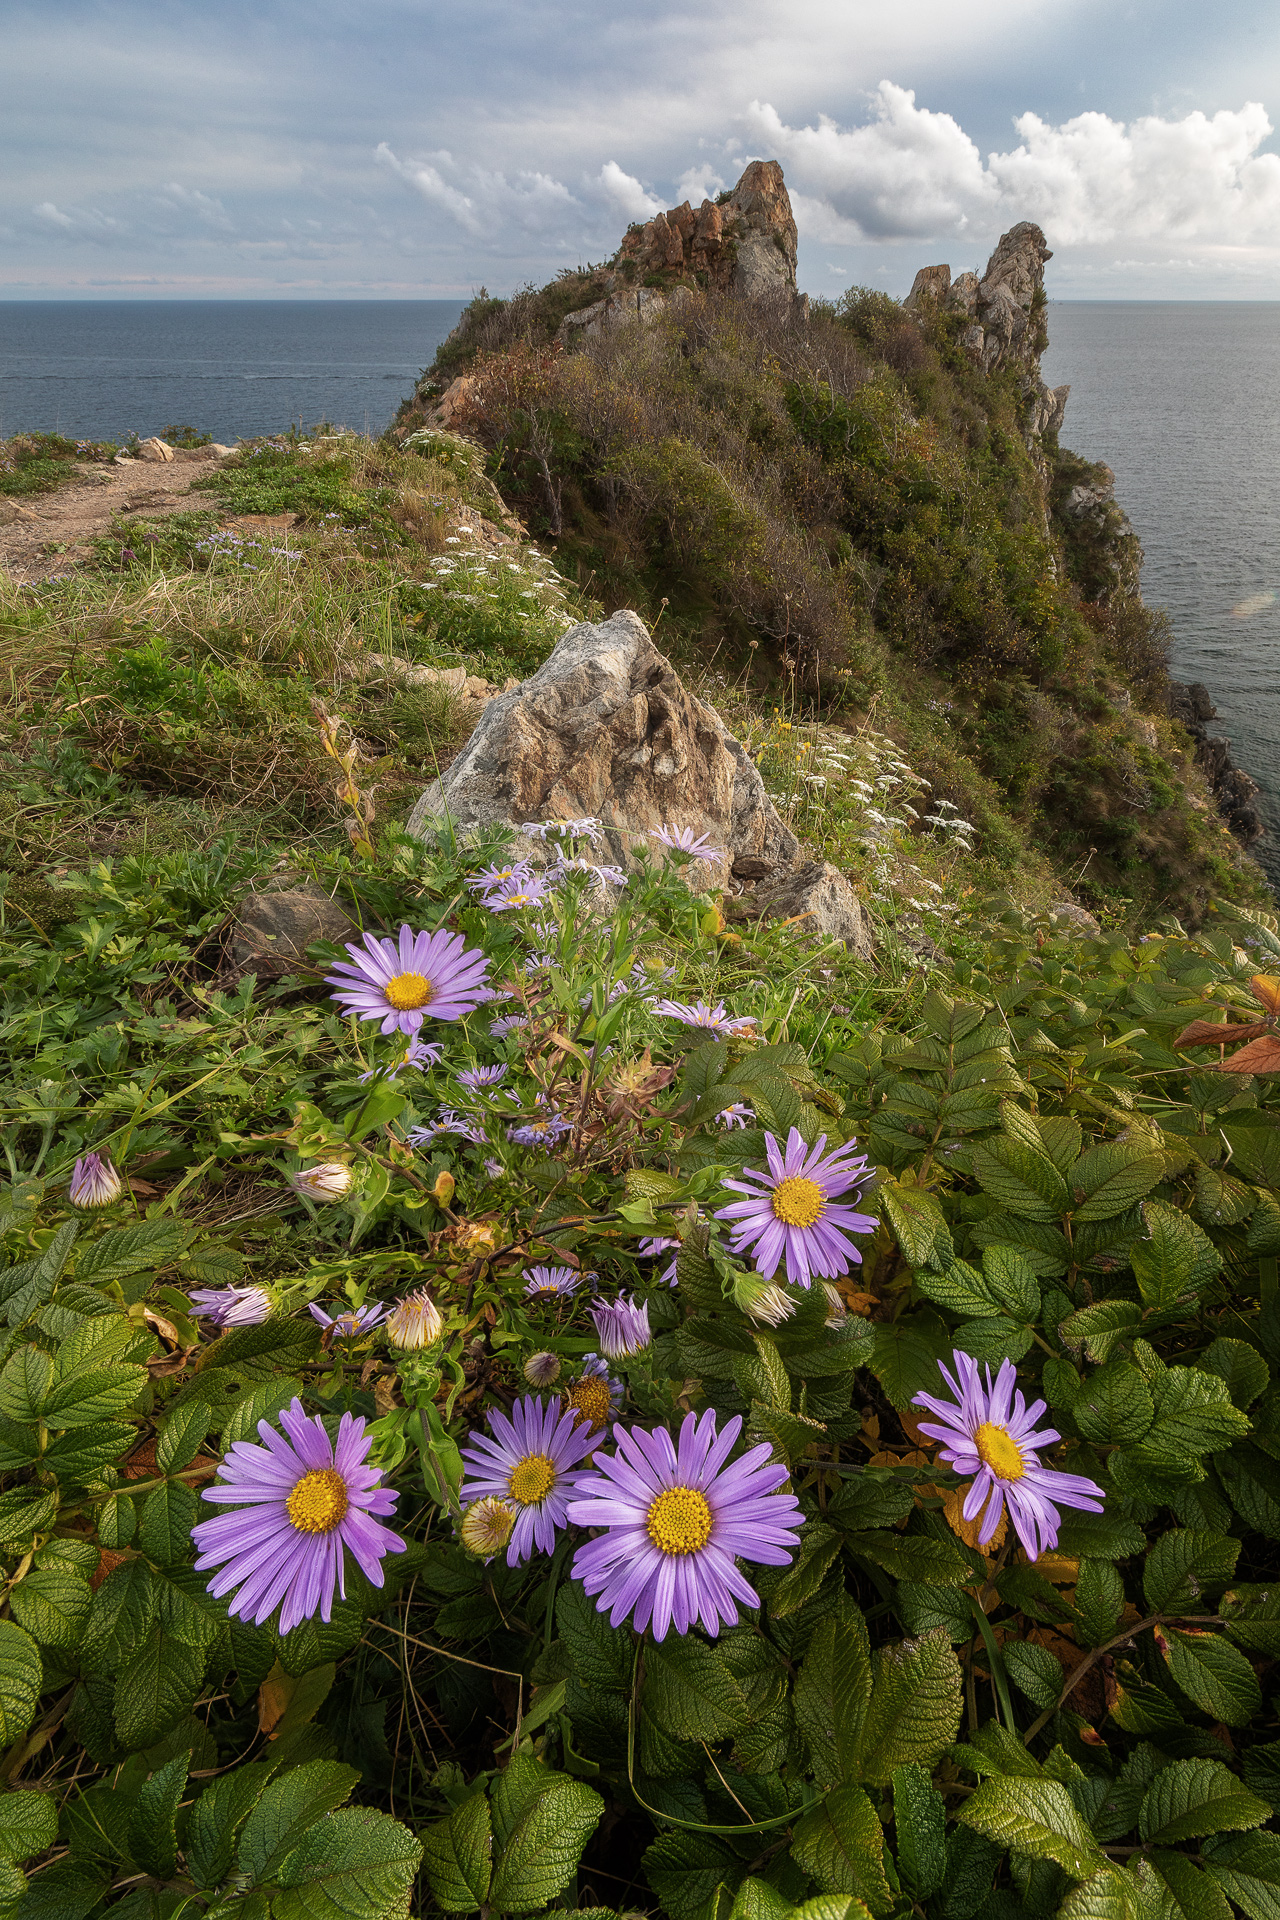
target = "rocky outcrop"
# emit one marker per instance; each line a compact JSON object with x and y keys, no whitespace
{"x":1233,"y":790}
{"x":623,"y":308}
{"x":1005,"y":309}
{"x":606,"y":728}
{"x":744,"y":242}
{"x":1104,"y":551}
{"x":816,"y":898}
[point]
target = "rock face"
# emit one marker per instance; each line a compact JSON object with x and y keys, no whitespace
{"x":606,"y":728}
{"x":618,"y":309}
{"x":746,"y":242}
{"x":1232,"y":788}
{"x":1006,"y":311}
{"x":1103,"y":529}
{"x":818,"y":898}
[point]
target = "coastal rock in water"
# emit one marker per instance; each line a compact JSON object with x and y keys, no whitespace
{"x":1233,"y":790}
{"x":154,"y":449}
{"x":606,"y":728}
{"x":818,"y":898}
{"x":279,"y":927}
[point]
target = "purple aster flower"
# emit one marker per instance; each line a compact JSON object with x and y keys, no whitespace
{"x":738,"y":1115}
{"x":417,"y":1053}
{"x":401,"y":983}
{"x":231,"y":1306}
{"x":94,"y":1182}
{"x":991,"y":1434}
{"x":603,"y":876}
{"x":514,"y":873}
{"x":595,"y":1396}
{"x":649,"y":1250}
{"x":588,"y":828}
{"x":519,"y":894}
{"x":717,"y":1019}
{"x":622,"y":1327}
{"x":544,"y":1284}
{"x":676,"y":1519}
{"x":494,"y":1168}
{"x":479,"y":1079}
{"x":508,"y":1023}
{"x":528,"y":1462}
{"x":542,"y":1131}
{"x":789,"y":1213}
{"x":446,"y":1124}
{"x":350,"y":1323}
{"x":685,"y":840}
{"x":298,"y":1505}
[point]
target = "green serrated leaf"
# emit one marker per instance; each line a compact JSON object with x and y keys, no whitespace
{"x":1242,"y":1367}
{"x":1197,"y":1896}
{"x":1213,"y":1673}
{"x":216,"y":1819}
{"x":126,"y":1250}
{"x":20,"y":1681}
{"x":600,"y":1655}
{"x":919,"y":1821}
{"x":180,"y":1439}
{"x":355,"y":1865}
{"x":1034,"y":1671}
{"x":25,"y":1383}
{"x":153,"y":1839}
{"x":841,"y":1845}
{"x":914,"y":1709}
{"x":819,"y":1548}
{"x":1173,"y":1259}
{"x":1105,"y":1895}
{"x":28,"y":1824}
{"x":165,"y":1522}
{"x":1183,"y":1565}
{"x":1247,"y":1868}
{"x":1036,"y":1817}
{"x":93,"y":1396}
{"x":1099,"y":1601}
{"x":542,"y":1855}
{"x":691,"y":1693}
{"x":287,"y":1807}
{"x":53,"y":1606}
{"x":1114,"y":1405}
{"x":684,"y":1870}
{"x":1190,"y":1798}
{"x":157,"y":1686}
{"x":832,"y":1694}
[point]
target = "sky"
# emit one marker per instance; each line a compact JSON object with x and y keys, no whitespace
{"x":408,"y":149}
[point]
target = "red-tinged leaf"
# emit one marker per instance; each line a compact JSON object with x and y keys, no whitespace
{"x":1260,"y":1056}
{"x":1266,"y":988}
{"x":1217,"y":1033}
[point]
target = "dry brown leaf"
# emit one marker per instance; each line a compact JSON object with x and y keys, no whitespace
{"x":1260,"y":1056}
{"x":1266,"y":988}
{"x":274,"y":1696}
{"x":967,"y":1530}
{"x":1219,"y":1033}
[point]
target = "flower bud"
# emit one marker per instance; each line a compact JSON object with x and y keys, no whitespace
{"x":94,"y":1182}
{"x":486,"y":1526}
{"x":542,"y":1369}
{"x":415,"y":1322}
{"x":330,"y":1180}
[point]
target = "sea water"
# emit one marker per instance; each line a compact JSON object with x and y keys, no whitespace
{"x":1182,"y":401}
{"x":102,"y":369}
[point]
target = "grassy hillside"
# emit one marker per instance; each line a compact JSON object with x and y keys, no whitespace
{"x":852,"y":520}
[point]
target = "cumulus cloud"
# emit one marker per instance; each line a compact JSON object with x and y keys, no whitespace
{"x":80,"y":223}
{"x":626,"y":193}
{"x":483,"y":201}
{"x":1092,"y":181}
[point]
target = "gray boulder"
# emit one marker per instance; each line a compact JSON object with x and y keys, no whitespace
{"x":818,"y":898}
{"x":279,"y":927}
{"x":606,"y":728}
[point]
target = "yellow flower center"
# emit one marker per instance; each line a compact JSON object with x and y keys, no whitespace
{"x":519,"y":899}
{"x":998,"y":1449}
{"x":318,"y":1501}
{"x":405,"y":991}
{"x":679,"y":1520}
{"x":798,"y":1203}
{"x":532,"y":1479}
{"x":589,"y":1398}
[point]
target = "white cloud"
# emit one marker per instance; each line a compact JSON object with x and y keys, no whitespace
{"x":483,"y":201}
{"x":203,"y":208}
{"x":697,"y":184}
{"x":1092,"y":181}
{"x":80,"y":223}
{"x":626,"y":193}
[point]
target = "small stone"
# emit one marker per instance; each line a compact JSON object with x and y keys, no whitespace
{"x":818,"y":898}
{"x":281,"y":926}
{"x":154,"y":449}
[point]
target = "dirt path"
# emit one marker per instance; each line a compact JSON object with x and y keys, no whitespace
{"x":48,"y":534}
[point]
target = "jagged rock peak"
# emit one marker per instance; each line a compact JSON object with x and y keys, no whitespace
{"x":745,"y":241}
{"x":1006,"y":314}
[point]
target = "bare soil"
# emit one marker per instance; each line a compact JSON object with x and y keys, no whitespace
{"x":49,"y":534}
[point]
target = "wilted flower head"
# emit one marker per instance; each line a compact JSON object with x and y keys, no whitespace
{"x":717,"y":1019}
{"x":837,"y":1310}
{"x":414,"y":1322}
{"x":94,"y":1182}
{"x":487,"y":1526}
{"x":652,"y":1246}
{"x":588,"y":828}
{"x":765,"y":1302}
{"x":595,"y":1396}
{"x":622,"y":1327}
{"x":330,"y":1180}
{"x":542,"y":1369}
{"x":231,"y":1306}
